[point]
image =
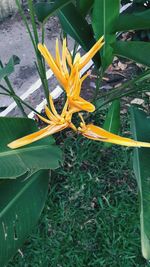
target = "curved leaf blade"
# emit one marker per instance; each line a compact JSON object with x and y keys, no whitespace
{"x":40,"y":155}
{"x":9,"y":68}
{"x":134,"y":21}
{"x":84,"y":6}
{"x":72,"y":26}
{"x":112,"y":121}
{"x":45,"y":10}
{"x":137,"y":51}
{"x":105,"y":14}
{"x":140,"y":125}
{"x":22,"y":201}
{"x":77,"y":27}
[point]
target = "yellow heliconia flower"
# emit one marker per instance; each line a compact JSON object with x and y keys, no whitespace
{"x":70,"y":79}
{"x":67,"y":72}
{"x":56,"y":123}
{"x":98,"y":134}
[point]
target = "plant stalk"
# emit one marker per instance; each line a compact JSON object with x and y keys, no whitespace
{"x":35,"y":40}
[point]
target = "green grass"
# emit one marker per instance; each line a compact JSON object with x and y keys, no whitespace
{"x":91,"y":217}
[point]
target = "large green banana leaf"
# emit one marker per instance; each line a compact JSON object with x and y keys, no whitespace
{"x":141,"y":131}
{"x":133,"y":21}
{"x":21,"y":203}
{"x":43,"y":154}
{"x":105,"y":15}
{"x":74,"y":24}
{"x":45,"y":10}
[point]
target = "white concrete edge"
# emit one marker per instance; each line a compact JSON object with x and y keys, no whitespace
{"x":55,"y":94}
{"x":123,"y":8}
{"x":30,"y":91}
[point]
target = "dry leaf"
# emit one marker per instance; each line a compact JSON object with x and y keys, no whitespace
{"x":137,"y":101}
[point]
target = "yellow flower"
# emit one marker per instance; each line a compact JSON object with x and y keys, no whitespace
{"x":55,"y":123}
{"x":70,"y":79}
{"x":67,"y":72}
{"x":96,"y":133}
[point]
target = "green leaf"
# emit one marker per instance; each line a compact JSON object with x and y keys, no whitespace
{"x":137,"y":51}
{"x":9,"y":68}
{"x":71,"y":21}
{"x":45,"y":10}
{"x":134,"y":21}
{"x":140,"y":123}
{"x":84,"y":6}
{"x":39,"y":155}
{"x":105,"y":15}
{"x":112,"y":121}
{"x":77,"y":27}
{"x":22,"y":201}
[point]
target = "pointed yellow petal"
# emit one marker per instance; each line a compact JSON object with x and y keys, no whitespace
{"x":28,"y":139}
{"x":77,"y":58}
{"x":85,"y":76}
{"x":58,"y":60}
{"x":64,"y":109}
{"x":72,"y":126}
{"x":44,"y":119}
{"x":90,"y":54}
{"x":81,"y":104}
{"x":76,"y":86}
{"x":69,"y":57}
{"x":99,"y":134}
{"x":64,"y":58}
{"x":50,"y":115}
{"x":50,"y":61}
{"x":73,"y":73}
{"x":53,"y":107}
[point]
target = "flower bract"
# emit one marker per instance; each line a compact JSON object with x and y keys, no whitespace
{"x":67,"y":72}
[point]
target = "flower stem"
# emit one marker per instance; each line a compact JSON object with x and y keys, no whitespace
{"x":35,"y":40}
{"x":98,"y":85}
{"x":15,"y":97}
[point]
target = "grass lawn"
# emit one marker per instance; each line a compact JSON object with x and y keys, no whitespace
{"x":91,"y":217}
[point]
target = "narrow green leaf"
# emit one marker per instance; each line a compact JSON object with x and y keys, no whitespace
{"x":134,"y":21}
{"x":45,"y":10}
{"x":112,"y":121}
{"x":77,"y":27}
{"x":21,"y":203}
{"x":9,"y":68}
{"x":137,"y":51}
{"x":40,"y":155}
{"x":84,"y":6}
{"x":105,"y":15}
{"x":140,"y":123}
